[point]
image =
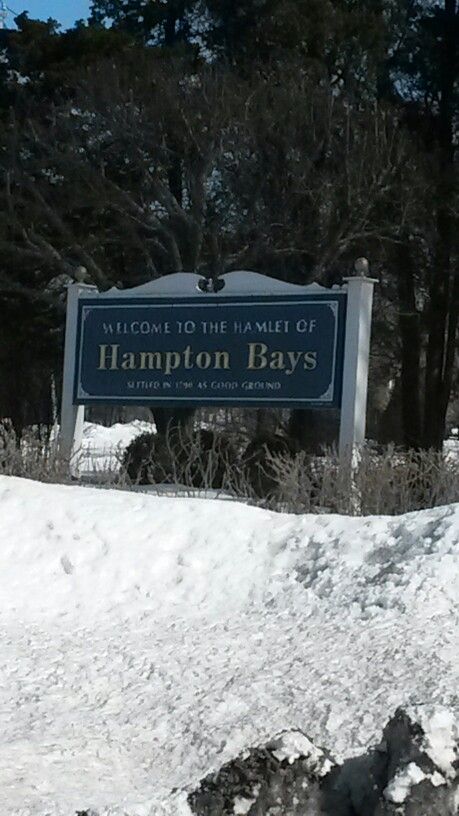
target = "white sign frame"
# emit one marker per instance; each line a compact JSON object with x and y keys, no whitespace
{"x":359,"y":290}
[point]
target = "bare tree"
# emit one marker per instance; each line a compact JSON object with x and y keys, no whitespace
{"x":148,"y":169}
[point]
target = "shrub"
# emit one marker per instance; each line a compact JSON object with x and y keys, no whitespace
{"x":199,"y":459}
{"x":139,"y":457}
{"x":259,"y":462}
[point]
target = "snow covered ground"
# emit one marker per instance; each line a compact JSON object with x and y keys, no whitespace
{"x":451,"y":446}
{"x":102,"y":447}
{"x":145,"y":641}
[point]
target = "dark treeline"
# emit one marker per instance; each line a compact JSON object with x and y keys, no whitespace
{"x":284,"y":136}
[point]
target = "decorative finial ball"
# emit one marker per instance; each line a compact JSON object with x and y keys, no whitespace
{"x":81,"y":274}
{"x":362,"y":267}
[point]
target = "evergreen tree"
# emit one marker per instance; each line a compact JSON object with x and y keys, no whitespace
{"x":157,"y":22}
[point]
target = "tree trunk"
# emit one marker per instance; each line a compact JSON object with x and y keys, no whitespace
{"x":410,"y":334}
{"x":314,"y":430}
{"x":170,"y":27}
{"x":451,"y":344}
{"x":173,"y":420}
{"x":266,"y":422}
{"x":442,"y":324}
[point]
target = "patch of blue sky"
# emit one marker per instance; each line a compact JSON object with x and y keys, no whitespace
{"x":66,"y":12}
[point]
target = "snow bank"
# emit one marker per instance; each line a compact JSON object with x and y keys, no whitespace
{"x":146,"y":640}
{"x":102,"y":447}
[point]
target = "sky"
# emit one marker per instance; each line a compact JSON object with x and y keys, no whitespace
{"x":65,"y":11}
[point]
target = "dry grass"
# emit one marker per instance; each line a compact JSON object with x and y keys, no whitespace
{"x":387,"y":482}
{"x":32,"y":456}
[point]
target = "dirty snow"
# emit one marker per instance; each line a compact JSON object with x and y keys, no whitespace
{"x":400,"y":786}
{"x":441,"y":731}
{"x":146,"y":641}
{"x":294,"y":744}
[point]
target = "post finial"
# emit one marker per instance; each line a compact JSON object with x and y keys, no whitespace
{"x":362,"y":267}
{"x":81,"y":274}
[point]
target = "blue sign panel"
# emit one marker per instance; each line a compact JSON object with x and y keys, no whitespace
{"x":211,"y":350}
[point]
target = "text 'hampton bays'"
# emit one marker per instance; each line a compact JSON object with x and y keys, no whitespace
{"x":258,"y":356}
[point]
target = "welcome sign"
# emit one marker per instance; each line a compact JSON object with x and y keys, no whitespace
{"x":207,"y":350}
